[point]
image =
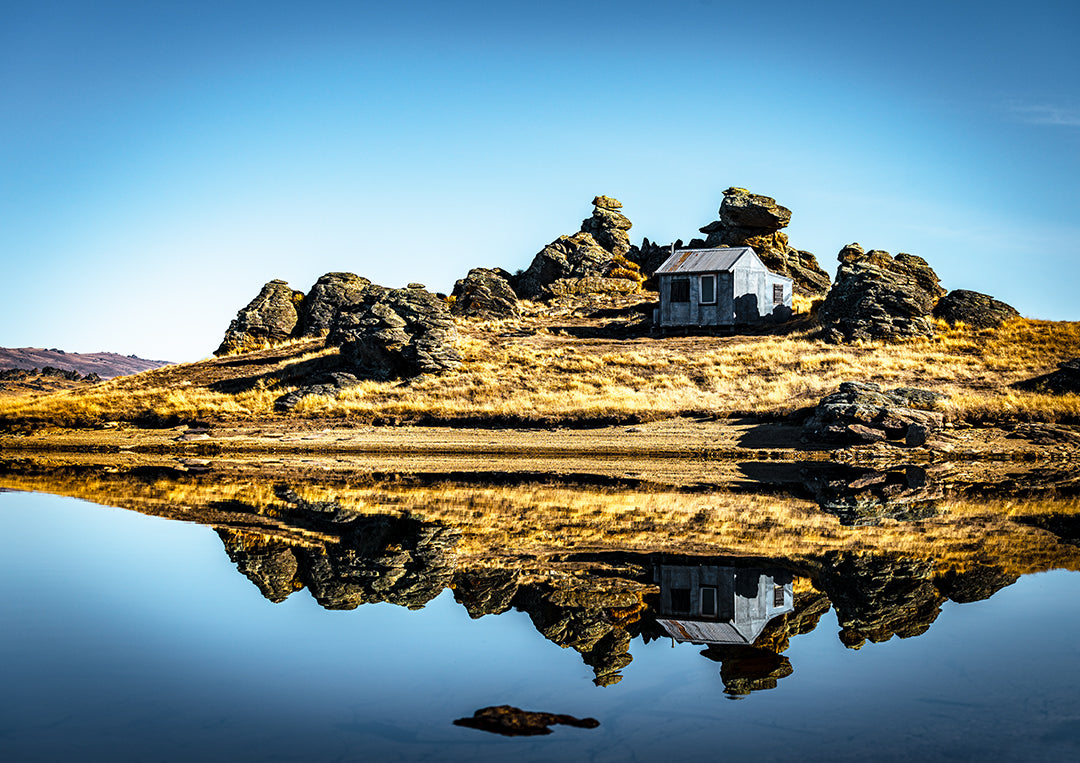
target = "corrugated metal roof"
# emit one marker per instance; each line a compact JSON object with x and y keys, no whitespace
{"x":700,"y":632}
{"x":703,"y":260}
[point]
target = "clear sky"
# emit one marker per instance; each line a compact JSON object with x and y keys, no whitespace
{"x":160,"y":161}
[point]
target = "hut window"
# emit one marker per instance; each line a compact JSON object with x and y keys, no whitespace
{"x":778,"y":596}
{"x":680,"y":600}
{"x":680,"y":289}
{"x":708,"y":601}
{"x":708,"y":290}
{"x":778,"y":294}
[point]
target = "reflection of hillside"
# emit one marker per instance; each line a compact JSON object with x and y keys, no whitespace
{"x":596,"y":567}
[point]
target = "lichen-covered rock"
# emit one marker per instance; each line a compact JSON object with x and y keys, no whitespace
{"x":880,"y":297}
{"x":394,"y":333}
{"x":576,"y":256}
{"x":749,"y":219}
{"x":861,"y":412}
{"x":266,"y":320}
{"x":1064,"y":381}
{"x":329,"y":294}
{"x":565,"y":287}
{"x":978,"y":310}
{"x":607,"y":226}
{"x":485,"y":293}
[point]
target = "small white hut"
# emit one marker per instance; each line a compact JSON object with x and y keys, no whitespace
{"x":724,"y":287}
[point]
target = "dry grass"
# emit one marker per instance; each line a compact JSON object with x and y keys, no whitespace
{"x":524,"y":371}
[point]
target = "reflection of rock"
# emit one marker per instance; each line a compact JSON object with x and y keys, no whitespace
{"x":749,"y":219}
{"x":1064,"y":381}
{"x":975,"y":583}
{"x":877,"y":296}
{"x":270,"y":565}
{"x":860,"y":496}
{"x":745,"y":669}
{"x":877,"y":597}
{"x":330,"y":293}
{"x":268,"y":319}
{"x":513,"y":722}
{"x":485,"y":592}
{"x":861,"y":412}
{"x":978,"y":310}
{"x":395,"y":333}
{"x":485,"y":293}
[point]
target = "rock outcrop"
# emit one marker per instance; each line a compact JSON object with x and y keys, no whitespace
{"x":268,"y":319}
{"x":485,"y":293}
{"x":607,"y":226}
{"x":880,"y":297}
{"x":749,"y":219}
{"x":978,"y":310}
{"x":1064,"y":381}
{"x":330,"y":293}
{"x":394,"y":333}
{"x":861,"y":412}
{"x":597,"y":252}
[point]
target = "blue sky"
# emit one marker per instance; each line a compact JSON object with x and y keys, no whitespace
{"x":160,"y":161}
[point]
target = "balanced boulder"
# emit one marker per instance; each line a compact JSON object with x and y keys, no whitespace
{"x":877,"y":296}
{"x":608,"y":226}
{"x":861,"y":412}
{"x":329,"y":294}
{"x":485,"y":293}
{"x":977,"y":310}
{"x":749,"y":219}
{"x":394,"y":333}
{"x":266,"y":320}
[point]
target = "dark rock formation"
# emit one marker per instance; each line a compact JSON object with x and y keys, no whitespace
{"x":748,"y":219}
{"x":394,"y":333}
{"x":485,"y":592}
{"x":1064,"y":381}
{"x":865,"y":497}
{"x":513,"y":722}
{"x":485,"y":293}
{"x":877,"y":296}
{"x":271,"y":566}
{"x":329,"y":294}
{"x":324,"y":385}
{"x":650,"y":256}
{"x":597,"y":251}
{"x":268,"y":319}
{"x":608,"y":226}
{"x":861,"y":412}
{"x":975,"y":583}
{"x":978,"y":310}
{"x":745,"y":669}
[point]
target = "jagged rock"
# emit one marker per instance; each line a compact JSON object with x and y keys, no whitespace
{"x":270,"y":565}
{"x":749,"y":219}
{"x":877,"y":296}
{"x":607,"y":226}
{"x":393,"y":333}
{"x":1064,"y":381}
{"x":514,"y":722}
{"x":485,"y":592}
{"x":978,"y":310}
{"x":649,"y":256}
{"x":268,"y":319}
{"x":485,"y":293}
{"x":575,"y":256}
{"x":329,"y":294}
{"x":861,"y":412}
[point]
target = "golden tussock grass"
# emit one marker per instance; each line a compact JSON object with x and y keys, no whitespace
{"x":521,"y":371}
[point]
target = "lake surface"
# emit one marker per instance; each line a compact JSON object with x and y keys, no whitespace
{"x":359,"y":621}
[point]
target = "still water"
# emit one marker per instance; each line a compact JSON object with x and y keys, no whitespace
{"x":135,"y":637}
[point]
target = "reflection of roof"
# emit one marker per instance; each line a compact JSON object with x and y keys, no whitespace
{"x":703,"y":260}
{"x":706,"y":632}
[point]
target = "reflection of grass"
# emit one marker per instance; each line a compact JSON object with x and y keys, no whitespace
{"x":523,"y":525}
{"x":548,"y":377}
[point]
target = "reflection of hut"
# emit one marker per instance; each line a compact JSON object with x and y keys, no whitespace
{"x":720,"y":605}
{"x":720,"y":287}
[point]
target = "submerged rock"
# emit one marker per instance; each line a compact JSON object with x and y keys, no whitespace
{"x":394,"y":333}
{"x":268,"y":319}
{"x":880,"y":297}
{"x":514,"y":722}
{"x":977,"y":310}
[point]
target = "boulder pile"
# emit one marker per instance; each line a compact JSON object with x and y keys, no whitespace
{"x":861,"y":412}
{"x":749,"y":219}
{"x":485,"y":293}
{"x":877,"y":296}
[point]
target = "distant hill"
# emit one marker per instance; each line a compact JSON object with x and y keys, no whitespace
{"x":104,"y":364}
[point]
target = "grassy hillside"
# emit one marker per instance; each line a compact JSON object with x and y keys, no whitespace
{"x":589,"y":367}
